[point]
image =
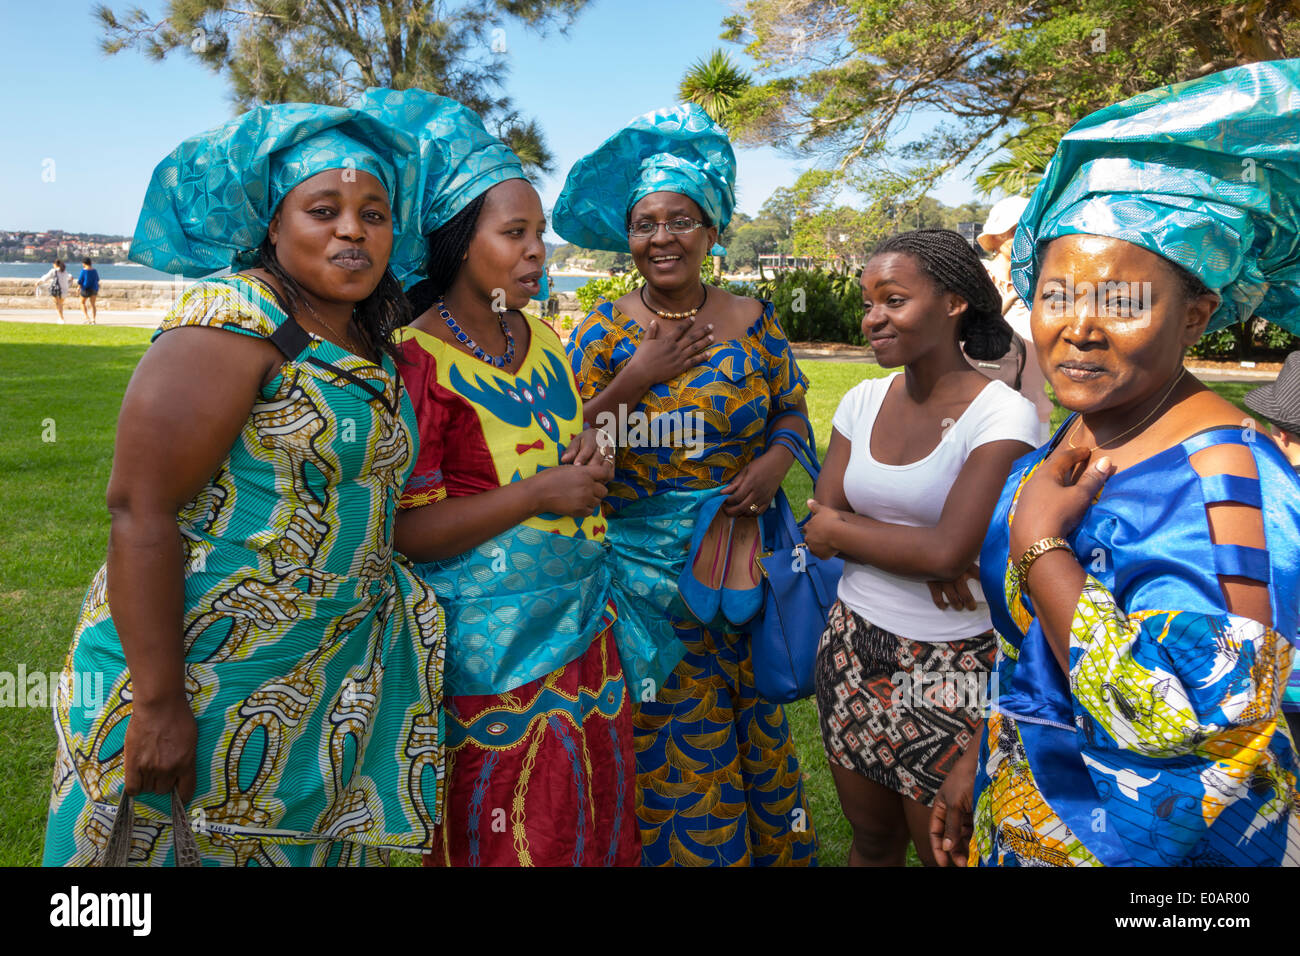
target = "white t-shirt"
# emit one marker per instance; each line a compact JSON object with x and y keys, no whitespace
{"x":63,"y":278}
{"x":914,"y":495}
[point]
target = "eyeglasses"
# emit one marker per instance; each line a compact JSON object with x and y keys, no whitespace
{"x":645,"y":228}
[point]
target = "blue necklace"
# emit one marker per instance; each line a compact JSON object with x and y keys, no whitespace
{"x":493,"y":360}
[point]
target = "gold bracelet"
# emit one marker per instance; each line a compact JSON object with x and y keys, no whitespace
{"x":1032,"y":553}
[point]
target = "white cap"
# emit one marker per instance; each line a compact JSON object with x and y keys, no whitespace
{"x":1002,"y":218}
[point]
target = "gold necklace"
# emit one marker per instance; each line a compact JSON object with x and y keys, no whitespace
{"x":1169,"y":391}
{"x":676,"y":315}
{"x":351,"y":343}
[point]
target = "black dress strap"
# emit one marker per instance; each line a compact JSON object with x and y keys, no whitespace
{"x":290,"y":338}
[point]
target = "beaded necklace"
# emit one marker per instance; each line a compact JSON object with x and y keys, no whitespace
{"x":676,"y":315}
{"x":496,"y":361}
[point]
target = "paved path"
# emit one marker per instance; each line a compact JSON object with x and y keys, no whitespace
{"x":128,"y":318}
{"x":149,"y":319}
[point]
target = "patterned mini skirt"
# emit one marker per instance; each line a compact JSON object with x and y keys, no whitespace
{"x":897,"y":711}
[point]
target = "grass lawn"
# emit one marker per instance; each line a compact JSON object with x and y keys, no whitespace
{"x":60,"y":390}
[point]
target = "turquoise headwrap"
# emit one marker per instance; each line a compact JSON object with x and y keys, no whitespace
{"x":459,"y":159}
{"x":210,"y":202}
{"x":1205,"y":173}
{"x":675,"y":150}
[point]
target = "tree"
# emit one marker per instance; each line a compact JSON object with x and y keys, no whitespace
{"x":1017,"y":173}
{"x":278,"y":51}
{"x":747,"y":241}
{"x":782,"y":207}
{"x":840,"y":78}
{"x":714,"y":83}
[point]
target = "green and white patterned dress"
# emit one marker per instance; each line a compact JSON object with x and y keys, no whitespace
{"x":313,"y":659}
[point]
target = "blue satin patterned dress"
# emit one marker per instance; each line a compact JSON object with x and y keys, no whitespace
{"x":1165,"y":745}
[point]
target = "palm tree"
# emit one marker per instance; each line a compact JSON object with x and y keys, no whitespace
{"x":528,"y":141}
{"x":1020,"y":170}
{"x":715,"y":83}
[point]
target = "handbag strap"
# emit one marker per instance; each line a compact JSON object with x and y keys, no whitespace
{"x":797,"y":445}
{"x":804,"y":449}
{"x":118,"y":849}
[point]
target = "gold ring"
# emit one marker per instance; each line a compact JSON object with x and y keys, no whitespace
{"x":753,"y":508}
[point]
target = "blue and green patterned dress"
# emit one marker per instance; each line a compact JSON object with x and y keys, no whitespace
{"x":313,"y":660}
{"x":718,"y":779}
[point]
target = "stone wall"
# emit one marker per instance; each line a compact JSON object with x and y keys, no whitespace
{"x":114,"y":294}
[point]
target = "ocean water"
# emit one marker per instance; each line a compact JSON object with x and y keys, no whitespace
{"x":34,"y":270}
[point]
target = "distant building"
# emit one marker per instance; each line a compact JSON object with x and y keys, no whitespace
{"x":969,"y":230}
{"x":780,"y":261}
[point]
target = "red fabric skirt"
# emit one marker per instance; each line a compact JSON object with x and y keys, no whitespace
{"x":543,"y":775}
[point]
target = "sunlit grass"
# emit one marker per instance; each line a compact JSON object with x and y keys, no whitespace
{"x":60,"y":390}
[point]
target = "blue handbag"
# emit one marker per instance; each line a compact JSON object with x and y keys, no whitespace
{"x":798,"y":590}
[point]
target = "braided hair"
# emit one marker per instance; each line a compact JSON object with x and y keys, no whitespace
{"x":447,"y":247}
{"x":376,"y":316}
{"x":950,"y":261}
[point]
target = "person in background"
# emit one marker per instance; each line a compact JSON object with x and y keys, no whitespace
{"x":913,"y":471}
{"x":88,"y":284}
{"x":996,"y":238}
{"x":58,"y":283}
{"x":1278,"y":403}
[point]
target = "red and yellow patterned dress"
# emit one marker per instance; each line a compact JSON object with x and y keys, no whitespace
{"x":538,"y":733}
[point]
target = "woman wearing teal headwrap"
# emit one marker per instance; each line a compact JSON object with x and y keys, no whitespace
{"x":265,"y":659}
{"x":1143,"y":568}
{"x":692,"y":378}
{"x":502,"y":512}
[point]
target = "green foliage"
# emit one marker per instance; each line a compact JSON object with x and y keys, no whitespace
{"x":601,"y":259}
{"x":1223,"y":344}
{"x":1245,"y":341}
{"x":279,"y":51}
{"x":844,"y":78}
{"x":816,"y":305}
{"x":612,"y":288}
{"x":744,"y":243}
{"x":1275,"y":338}
{"x":827,"y":230}
{"x":714,"y":83}
{"x":1028,"y":153}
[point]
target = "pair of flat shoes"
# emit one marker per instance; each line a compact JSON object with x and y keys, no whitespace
{"x":722,"y":580}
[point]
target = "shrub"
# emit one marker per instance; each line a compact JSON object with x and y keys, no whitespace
{"x":816,"y":305}
{"x":613,"y":287}
{"x":812,"y":305}
{"x":1242,"y":341}
{"x":1222,"y":344}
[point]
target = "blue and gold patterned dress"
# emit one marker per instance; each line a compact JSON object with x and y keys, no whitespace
{"x":313,"y":661}
{"x":1165,"y":745}
{"x":718,"y":780}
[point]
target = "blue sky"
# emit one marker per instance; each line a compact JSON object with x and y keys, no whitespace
{"x":84,"y":136}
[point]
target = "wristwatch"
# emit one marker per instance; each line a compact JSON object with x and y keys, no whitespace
{"x":1032,"y":553}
